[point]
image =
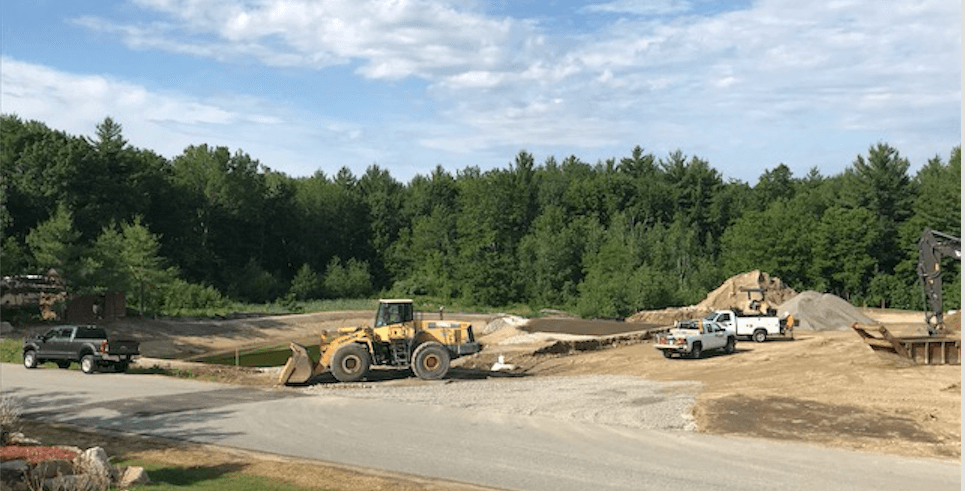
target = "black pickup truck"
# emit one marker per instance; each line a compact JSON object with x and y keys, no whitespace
{"x":87,"y":345}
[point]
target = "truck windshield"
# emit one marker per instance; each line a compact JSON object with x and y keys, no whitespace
{"x":711,"y":316}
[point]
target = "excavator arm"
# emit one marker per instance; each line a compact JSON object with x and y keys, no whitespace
{"x":932,"y":247}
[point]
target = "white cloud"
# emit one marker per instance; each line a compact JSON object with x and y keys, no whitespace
{"x":393,"y":39}
{"x":167,"y":123}
{"x":662,"y":74}
{"x":641,"y":7}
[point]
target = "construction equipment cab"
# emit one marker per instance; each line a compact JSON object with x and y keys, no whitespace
{"x":398,"y":339}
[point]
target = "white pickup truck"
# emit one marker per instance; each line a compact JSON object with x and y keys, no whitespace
{"x":756,"y":327}
{"x":694,"y":337}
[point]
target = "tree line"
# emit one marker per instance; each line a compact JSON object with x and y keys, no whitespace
{"x":604,"y":239}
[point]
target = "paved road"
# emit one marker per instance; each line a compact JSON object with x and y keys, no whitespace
{"x":504,"y":451}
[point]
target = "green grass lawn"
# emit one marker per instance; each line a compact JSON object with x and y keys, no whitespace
{"x":216,"y":478}
{"x":10,"y":351}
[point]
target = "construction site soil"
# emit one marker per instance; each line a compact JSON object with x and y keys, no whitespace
{"x":823,"y":387}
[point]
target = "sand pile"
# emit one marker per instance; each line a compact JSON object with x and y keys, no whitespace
{"x":823,"y":312}
{"x":666,"y":316}
{"x":727,"y":296}
{"x":730,"y":296}
{"x":501,"y":328}
{"x":953,"y":321}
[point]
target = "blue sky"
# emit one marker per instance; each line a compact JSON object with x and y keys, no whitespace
{"x":308,"y":85}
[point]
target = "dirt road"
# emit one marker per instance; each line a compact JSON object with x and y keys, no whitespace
{"x":555,"y":434}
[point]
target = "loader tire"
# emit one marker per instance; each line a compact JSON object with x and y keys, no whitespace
{"x":430,"y":361}
{"x":350,"y":363}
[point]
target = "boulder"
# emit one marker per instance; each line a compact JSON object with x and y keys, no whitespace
{"x":13,"y":471}
{"x":17,"y":438}
{"x":54,"y":468}
{"x":95,"y":463}
{"x":131,"y":476}
{"x":74,"y":482}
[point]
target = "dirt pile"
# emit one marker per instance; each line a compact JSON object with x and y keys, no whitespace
{"x":502,"y":328}
{"x":666,"y":316}
{"x":731,"y":294}
{"x":823,"y":312}
{"x":953,"y":321}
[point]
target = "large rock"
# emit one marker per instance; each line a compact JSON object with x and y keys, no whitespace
{"x":18,"y":438}
{"x":133,"y":475}
{"x":95,"y":463}
{"x":75,"y":482}
{"x":12,"y":473}
{"x":53,"y":468}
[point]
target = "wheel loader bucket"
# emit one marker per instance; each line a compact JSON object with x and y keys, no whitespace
{"x":299,"y":367}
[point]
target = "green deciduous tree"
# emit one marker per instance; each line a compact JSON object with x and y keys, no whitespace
{"x":777,"y":240}
{"x":844,"y":241}
{"x":306,"y":284}
{"x":351,"y":280}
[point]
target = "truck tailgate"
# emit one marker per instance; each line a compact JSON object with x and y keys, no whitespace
{"x":124,"y":346}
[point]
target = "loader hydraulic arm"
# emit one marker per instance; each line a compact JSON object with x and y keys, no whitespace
{"x":932,"y":247}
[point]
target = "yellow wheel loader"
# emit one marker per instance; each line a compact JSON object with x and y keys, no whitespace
{"x":398,"y":339}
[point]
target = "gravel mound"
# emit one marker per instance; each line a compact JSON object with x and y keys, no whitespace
{"x":602,"y":399}
{"x":823,"y":312}
{"x":504,"y":321}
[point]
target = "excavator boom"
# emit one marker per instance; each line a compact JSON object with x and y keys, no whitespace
{"x":932,"y":247}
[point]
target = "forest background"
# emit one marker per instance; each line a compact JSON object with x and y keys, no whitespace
{"x":607,"y":239}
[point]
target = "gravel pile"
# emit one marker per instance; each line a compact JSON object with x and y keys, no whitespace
{"x":601,"y":399}
{"x":823,"y":312}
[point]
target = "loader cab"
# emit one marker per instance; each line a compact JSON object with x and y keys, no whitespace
{"x":393,"y":312}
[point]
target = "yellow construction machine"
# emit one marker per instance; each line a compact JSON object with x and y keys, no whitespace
{"x":398,"y":340}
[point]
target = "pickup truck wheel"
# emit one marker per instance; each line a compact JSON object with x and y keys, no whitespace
{"x":730,"y":346}
{"x":350,"y":363}
{"x":697,"y":350}
{"x":87,"y":364}
{"x":667,"y":353}
{"x":760,"y":335}
{"x":430,"y":361}
{"x":30,"y":359}
{"x":64,"y":364}
{"x":121,"y":366}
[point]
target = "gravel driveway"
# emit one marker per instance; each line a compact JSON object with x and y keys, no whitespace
{"x":614,"y":400}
